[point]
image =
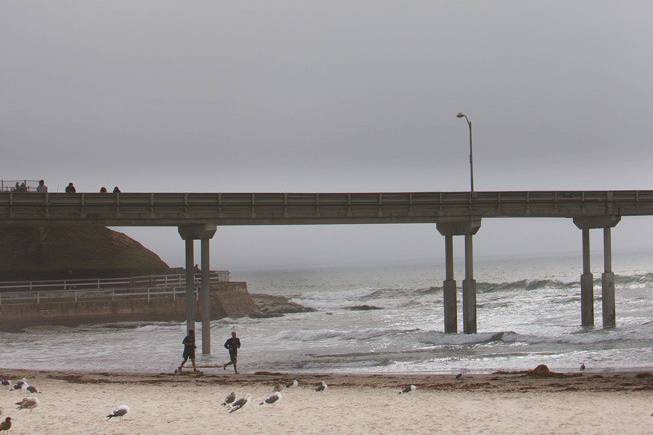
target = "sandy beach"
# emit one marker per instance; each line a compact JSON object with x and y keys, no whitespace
{"x":77,"y":403}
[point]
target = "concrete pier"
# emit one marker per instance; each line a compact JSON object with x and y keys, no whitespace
{"x":449,"y":289}
{"x":190,"y":285}
{"x":449,"y":229}
{"x":189,"y":233}
{"x":205,"y":301}
{"x":469,"y":289}
{"x":586,"y":284}
{"x":607,"y":282}
{"x":607,"y":278}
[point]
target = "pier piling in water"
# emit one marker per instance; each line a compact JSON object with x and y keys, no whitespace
{"x":607,"y":282}
{"x":607,"y":278}
{"x":448,"y":229}
{"x":449,"y":289}
{"x":204,"y":233}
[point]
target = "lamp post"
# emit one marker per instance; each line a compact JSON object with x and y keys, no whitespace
{"x":471,"y":159}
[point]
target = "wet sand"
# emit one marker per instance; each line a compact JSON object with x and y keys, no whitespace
{"x":355,"y":404}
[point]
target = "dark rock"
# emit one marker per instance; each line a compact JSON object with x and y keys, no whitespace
{"x":363,"y":308}
{"x":273,"y":306}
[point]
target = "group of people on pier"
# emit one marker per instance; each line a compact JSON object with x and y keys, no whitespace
{"x":43,"y":188}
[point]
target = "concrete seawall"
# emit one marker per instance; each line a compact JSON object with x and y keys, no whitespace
{"x":228,"y":299}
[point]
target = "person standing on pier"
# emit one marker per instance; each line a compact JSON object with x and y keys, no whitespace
{"x":233,"y":344}
{"x":189,"y":350}
{"x":41,"y":188}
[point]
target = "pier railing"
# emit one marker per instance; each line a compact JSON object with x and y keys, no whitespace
{"x":145,"y":287}
{"x":173,"y":209}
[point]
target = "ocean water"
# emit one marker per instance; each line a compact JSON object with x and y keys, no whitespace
{"x":528,"y":314}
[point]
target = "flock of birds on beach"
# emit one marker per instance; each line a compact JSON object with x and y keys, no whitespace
{"x":230,"y":402}
{"x":233,"y":405}
{"x":30,"y":402}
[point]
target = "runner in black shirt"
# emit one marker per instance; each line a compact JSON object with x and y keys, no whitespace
{"x":233,"y":344}
{"x":189,"y":350}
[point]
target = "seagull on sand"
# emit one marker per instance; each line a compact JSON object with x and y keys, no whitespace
{"x":294,"y":383}
{"x":20,"y":385}
{"x":119,"y":412}
{"x":408,"y":389}
{"x":28,"y":403}
{"x":322,"y":387}
{"x":240,"y":403}
{"x":5,"y":425}
{"x":459,"y":376}
{"x":32,"y":389}
{"x":5,"y":382}
{"x":272,"y":399}
{"x":229,"y":399}
{"x":582,"y":367}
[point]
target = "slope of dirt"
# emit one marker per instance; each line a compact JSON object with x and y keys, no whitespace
{"x":72,"y":251}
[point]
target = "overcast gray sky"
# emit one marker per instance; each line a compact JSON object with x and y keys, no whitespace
{"x":279,"y":95}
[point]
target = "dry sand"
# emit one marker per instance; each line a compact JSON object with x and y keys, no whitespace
{"x":166,"y":404}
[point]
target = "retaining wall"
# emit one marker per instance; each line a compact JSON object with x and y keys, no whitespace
{"x":228,"y":299}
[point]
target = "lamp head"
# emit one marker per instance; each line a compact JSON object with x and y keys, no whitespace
{"x":460,"y":115}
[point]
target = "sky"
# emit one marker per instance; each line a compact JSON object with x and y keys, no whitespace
{"x":356,"y":95}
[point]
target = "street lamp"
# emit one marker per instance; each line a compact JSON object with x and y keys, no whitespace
{"x":471,"y":160}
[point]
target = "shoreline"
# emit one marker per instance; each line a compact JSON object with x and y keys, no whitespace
{"x":500,"y":381}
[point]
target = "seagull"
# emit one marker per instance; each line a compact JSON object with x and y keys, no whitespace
{"x":28,"y":403}
{"x":408,"y":389}
{"x":119,"y":412}
{"x":272,"y":399}
{"x":459,"y":376}
{"x":229,"y":399}
{"x":5,"y":425}
{"x":294,"y":383}
{"x":582,"y":367}
{"x":5,"y":382}
{"x":32,"y":389}
{"x":322,"y":387}
{"x":240,"y":403}
{"x":20,"y":385}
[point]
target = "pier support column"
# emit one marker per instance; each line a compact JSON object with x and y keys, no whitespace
{"x":205,"y":300}
{"x":586,"y":223}
{"x":459,"y":228}
{"x":189,"y":233}
{"x":449,"y":289}
{"x":190,"y":285}
{"x":607,"y":282}
{"x":586,"y":284}
{"x":469,"y":289}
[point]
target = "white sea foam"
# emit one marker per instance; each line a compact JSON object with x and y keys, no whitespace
{"x":521,"y":323}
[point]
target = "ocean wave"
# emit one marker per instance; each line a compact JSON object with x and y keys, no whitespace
{"x":354,"y":335}
{"x":442,"y":339}
{"x":629,"y":281}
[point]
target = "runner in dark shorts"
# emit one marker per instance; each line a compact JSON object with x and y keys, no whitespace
{"x":189,"y":350}
{"x":233,"y":344}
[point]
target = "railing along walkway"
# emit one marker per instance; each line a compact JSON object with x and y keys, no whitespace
{"x":144,"y":287}
{"x":172,"y":209}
